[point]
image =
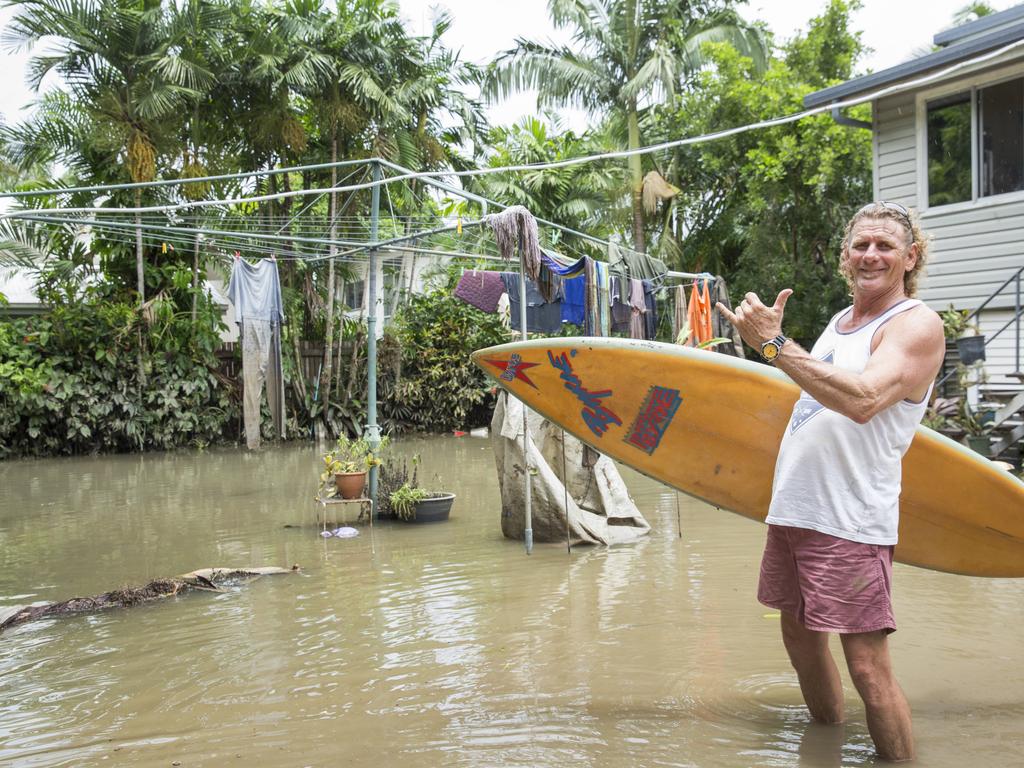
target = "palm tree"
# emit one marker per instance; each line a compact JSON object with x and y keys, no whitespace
{"x":124,"y":76}
{"x":576,"y":196}
{"x":626,"y":54}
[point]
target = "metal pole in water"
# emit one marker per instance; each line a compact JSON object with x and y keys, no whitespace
{"x":528,"y":532}
{"x":372,"y":430}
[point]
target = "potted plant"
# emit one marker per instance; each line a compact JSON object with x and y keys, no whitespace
{"x":347,"y":464}
{"x":956,"y":417}
{"x":414,"y":504}
{"x":970,"y":343}
{"x":418,"y":505}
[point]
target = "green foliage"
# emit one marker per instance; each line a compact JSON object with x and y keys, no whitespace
{"x":440,"y":385}
{"x":955,"y":323}
{"x":352,"y":455}
{"x":625,"y":55}
{"x":766,"y":209}
{"x":577,"y":196}
{"x":404,"y":500}
{"x":69,"y":378}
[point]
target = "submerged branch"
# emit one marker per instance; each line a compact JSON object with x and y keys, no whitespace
{"x":204,"y":579}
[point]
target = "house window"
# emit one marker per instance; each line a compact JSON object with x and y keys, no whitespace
{"x":949,"y":150}
{"x":996,"y":128}
{"x":1000,"y":109}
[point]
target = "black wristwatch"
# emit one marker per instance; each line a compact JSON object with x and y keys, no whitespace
{"x":770,"y":349}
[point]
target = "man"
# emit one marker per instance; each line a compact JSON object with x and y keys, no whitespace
{"x":834,"y":512}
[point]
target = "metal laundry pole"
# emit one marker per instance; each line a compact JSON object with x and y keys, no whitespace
{"x":372,"y":429}
{"x":528,"y":531}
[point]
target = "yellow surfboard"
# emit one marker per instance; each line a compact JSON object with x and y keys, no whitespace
{"x":710,"y":425}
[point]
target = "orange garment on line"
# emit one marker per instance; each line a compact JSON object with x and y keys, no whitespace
{"x":698,"y":315}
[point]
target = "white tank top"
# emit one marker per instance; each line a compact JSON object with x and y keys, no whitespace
{"x":837,"y":476}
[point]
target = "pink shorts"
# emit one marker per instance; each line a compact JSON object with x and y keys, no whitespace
{"x":829,"y":584}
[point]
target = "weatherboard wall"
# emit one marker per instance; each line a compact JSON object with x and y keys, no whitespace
{"x":976,"y":246}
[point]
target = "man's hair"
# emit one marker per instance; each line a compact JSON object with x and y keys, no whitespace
{"x":918,"y":237}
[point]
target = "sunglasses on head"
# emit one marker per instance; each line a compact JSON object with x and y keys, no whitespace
{"x":900,"y":209}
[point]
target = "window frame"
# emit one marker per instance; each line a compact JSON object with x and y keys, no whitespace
{"x":971,"y":85}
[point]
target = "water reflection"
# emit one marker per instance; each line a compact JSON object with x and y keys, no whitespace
{"x":444,"y":644}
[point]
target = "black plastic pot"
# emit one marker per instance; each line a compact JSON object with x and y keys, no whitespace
{"x":971,"y":349}
{"x":435,"y":509}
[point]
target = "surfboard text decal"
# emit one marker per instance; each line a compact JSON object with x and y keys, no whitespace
{"x":655,"y":415}
{"x":596,"y":415}
{"x":513,"y":368}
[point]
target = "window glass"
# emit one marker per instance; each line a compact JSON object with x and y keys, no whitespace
{"x":1001,"y":113}
{"x":949,"y":150}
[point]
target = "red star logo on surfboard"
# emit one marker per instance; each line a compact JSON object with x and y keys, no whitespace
{"x":513,"y":369}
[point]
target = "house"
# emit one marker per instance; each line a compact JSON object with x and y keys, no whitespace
{"x":951,"y":145}
{"x":948,"y":140}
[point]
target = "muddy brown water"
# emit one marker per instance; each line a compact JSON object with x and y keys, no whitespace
{"x":441,"y":645}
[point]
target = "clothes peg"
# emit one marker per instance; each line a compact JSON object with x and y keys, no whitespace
{"x":458,"y":226}
{"x":163,"y":248}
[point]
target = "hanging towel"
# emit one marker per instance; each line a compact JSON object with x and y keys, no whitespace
{"x":481,"y":289}
{"x":541,"y":316}
{"x":699,"y":314}
{"x":651,"y":309}
{"x":621,"y":311}
{"x":514,"y":228}
{"x":624,"y":263}
{"x":638,"y":308}
{"x":678,"y":312}
{"x":604,"y":298}
{"x":721,"y":326}
{"x":592,"y":321}
{"x":574,"y":301}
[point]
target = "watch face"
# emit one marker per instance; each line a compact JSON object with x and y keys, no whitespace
{"x":770,"y":351}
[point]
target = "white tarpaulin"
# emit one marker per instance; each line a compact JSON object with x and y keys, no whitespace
{"x":600,"y":509}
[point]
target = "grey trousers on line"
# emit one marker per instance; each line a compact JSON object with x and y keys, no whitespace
{"x":261,"y":362}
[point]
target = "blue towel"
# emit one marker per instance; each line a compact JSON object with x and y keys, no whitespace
{"x":573,"y":302}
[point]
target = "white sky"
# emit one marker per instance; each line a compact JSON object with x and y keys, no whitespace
{"x":895,"y":29}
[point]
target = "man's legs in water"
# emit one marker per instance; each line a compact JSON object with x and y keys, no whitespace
{"x":815,"y":668}
{"x":888,"y":713}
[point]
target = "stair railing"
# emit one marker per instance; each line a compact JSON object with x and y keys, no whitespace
{"x":1015,"y":278}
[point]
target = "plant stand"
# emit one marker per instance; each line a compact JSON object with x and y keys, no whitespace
{"x":340,"y":508}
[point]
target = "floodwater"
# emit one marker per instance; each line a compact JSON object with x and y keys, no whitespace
{"x":443,"y":644}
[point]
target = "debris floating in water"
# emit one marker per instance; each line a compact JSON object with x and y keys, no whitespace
{"x":344,"y":532}
{"x":203,"y":579}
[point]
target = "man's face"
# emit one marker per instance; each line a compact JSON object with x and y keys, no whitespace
{"x":878,"y":257}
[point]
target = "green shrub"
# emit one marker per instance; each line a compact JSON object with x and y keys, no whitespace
{"x":440,"y":387}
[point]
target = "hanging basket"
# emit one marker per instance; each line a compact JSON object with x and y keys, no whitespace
{"x":971,"y":349}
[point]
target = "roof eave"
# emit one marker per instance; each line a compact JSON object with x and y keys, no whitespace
{"x":909,"y":69}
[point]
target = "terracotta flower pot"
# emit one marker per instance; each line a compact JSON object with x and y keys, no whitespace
{"x":350,"y":484}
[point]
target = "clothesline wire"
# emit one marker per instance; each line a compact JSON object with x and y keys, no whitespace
{"x":425,"y":175}
{"x":621,"y":154}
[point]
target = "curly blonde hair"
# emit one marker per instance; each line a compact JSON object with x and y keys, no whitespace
{"x":890,"y":212}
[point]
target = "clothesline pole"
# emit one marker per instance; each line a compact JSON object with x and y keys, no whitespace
{"x":372,"y":430}
{"x":528,"y":532}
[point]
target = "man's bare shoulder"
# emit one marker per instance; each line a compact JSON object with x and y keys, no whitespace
{"x":918,"y":327}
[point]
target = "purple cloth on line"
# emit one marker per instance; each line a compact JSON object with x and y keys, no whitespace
{"x":481,"y":289}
